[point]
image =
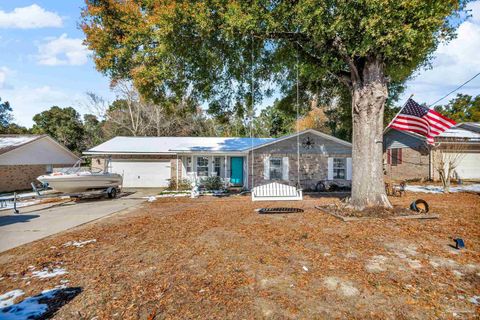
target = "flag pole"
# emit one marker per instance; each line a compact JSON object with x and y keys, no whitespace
{"x":398,"y":112}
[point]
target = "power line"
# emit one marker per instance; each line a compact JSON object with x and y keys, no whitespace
{"x":433,"y":104}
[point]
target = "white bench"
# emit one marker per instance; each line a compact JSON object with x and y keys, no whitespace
{"x":276,"y":192}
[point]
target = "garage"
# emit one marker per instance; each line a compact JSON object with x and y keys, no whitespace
{"x":469,"y":166}
{"x":142,"y":173}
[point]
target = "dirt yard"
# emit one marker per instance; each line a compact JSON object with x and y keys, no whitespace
{"x":216,"y":258}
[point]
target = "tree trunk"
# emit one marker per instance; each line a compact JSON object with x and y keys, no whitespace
{"x":369,"y":95}
{"x":444,"y":174}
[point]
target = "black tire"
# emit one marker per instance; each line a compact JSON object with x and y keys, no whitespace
{"x":112,"y":193}
{"x":333,"y":187}
{"x":420,"y":206}
{"x":320,"y":187}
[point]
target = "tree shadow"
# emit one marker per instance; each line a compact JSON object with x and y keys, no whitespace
{"x":6,"y":220}
{"x":336,"y":195}
{"x":41,"y":306}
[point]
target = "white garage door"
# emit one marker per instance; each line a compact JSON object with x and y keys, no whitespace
{"x":469,"y":166}
{"x":142,"y":174}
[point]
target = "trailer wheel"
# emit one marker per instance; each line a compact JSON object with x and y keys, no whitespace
{"x":111,"y":193}
{"x":320,"y":187}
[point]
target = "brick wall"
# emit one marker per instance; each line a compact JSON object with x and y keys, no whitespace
{"x":19,"y":177}
{"x":313,"y":168}
{"x":313,"y":161}
{"x":415,"y":165}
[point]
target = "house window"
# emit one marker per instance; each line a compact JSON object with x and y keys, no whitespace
{"x":396,"y":156}
{"x":202,"y":166}
{"x":275,"y":168}
{"x":217,"y":166}
{"x":339,"y":168}
{"x":188,"y":164}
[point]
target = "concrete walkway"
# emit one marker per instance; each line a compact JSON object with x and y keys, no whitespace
{"x":38,"y":222}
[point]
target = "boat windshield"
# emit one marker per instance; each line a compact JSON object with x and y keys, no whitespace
{"x":77,"y":168}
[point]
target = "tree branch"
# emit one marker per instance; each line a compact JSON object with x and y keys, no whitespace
{"x":338,"y":44}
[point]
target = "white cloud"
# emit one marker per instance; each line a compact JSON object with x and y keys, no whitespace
{"x":4,"y":73}
{"x":27,"y":101}
{"x":455,"y":63}
{"x":62,"y":51}
{"x":31,"y":17}
{"x":3,"y":76}
{"x":475,"y":10}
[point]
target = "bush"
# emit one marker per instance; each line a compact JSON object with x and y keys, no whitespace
{"x":183,"y":184}
{"x":212,"y":183}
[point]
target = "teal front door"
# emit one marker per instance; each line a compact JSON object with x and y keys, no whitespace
{"x":236,"y":165}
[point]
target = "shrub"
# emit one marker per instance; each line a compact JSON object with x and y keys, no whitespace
{"x":212,"y":183}
{"x":183,"y":184}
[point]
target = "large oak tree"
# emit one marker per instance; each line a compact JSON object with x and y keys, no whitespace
{"x":205,"y":49}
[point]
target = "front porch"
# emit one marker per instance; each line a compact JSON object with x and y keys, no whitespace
{"x":231,"y":168}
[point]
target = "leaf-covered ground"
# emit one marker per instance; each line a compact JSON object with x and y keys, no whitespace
{"x":217,"y":258}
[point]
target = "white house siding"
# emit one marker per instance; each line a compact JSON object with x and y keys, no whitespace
{"x":39,"y":152}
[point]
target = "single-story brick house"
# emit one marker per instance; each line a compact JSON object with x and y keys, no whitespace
{"x":25,"y":157}
{"x":408,"y":157}
{"x":148,"y":162}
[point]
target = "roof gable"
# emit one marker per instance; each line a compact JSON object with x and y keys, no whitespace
{"x":40,"y":150}
{"x":10,"y":142}
{"x":312,"y":131}
{"x":402,"y":139}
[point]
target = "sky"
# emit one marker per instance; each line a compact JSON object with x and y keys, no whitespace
{"x":43,"y":62}
{"x":42,"y":59}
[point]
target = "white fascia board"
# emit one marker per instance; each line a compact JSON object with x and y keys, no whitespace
{"x":105,"y":153}
{"x":219,"y":152}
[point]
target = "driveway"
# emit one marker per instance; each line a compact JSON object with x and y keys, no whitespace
{"x":38,"y":222}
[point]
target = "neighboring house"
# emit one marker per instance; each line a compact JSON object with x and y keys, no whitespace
{"x":25,"y":157}
{"x":147,"y":162}
{"x":408,"y":157}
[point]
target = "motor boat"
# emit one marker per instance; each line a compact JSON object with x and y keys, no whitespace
{"x":75,"y":180}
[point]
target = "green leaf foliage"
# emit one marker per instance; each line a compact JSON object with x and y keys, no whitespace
{"x":463,"y":108}
{"x":62,"y":124}
{"x":206,"y":48}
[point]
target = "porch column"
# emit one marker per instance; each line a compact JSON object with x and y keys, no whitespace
{"x":193,"y":168}
{"x":211,"y":165}
{"x":247,"y":172}
{"x":225,"y":171}
{"x":176,"y":169}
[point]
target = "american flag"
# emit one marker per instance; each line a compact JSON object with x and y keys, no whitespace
{"x":416,"y":118}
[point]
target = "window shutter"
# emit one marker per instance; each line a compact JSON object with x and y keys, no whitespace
{"x":285,"y":168}
{"x":330,"y":169}
{"x":389,"y":157}
{"x":349,"y":168}
{"x":266,"y":168}
{"x":399,"y":161}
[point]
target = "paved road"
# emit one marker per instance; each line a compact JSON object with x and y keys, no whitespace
{"x":38,"y":221}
